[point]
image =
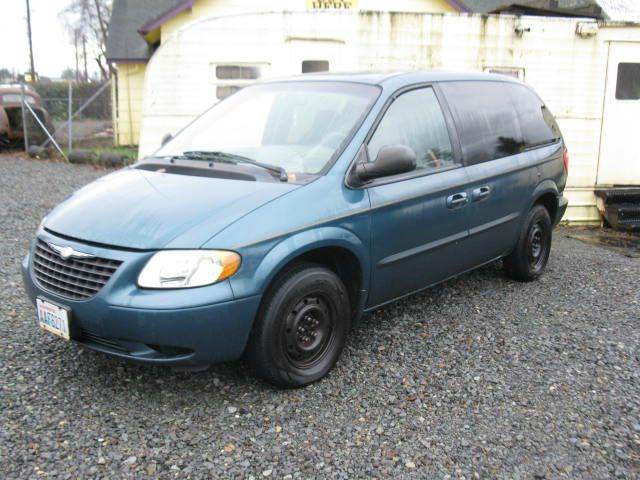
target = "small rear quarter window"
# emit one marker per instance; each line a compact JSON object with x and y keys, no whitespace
{"x":536,"y":121}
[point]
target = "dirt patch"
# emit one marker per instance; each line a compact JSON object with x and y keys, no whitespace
{"x":625,"y":243}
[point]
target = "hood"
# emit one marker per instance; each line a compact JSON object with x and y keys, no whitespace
{"x":142,"y":209}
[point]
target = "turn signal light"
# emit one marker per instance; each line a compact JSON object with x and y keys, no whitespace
{"x":565,"y":159}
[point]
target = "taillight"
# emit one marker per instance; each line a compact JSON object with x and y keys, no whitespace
{"x":565,"y":159}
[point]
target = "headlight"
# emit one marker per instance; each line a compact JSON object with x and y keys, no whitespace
{"x":188,"y":268}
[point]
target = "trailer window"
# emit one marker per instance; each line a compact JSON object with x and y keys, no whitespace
{"x":628,"y":83}
{"x":310,"y":66}
{"x":237,"y":72}
{"x":223,"y":91}
{"x":231,"y":77}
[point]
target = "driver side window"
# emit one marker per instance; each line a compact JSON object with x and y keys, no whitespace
{"x":415,"y":120}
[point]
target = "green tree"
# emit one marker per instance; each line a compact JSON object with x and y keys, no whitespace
{"x":6,"y":75}
{"x":68,"y":74}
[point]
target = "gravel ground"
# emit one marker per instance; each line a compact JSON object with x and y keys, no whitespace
{"x":480,"y":377}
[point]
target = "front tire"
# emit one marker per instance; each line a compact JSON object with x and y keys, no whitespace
{"x":301,"y":328}
{"x":529,"y":259}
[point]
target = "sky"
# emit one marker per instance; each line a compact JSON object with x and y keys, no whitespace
{"x":52,"y":49}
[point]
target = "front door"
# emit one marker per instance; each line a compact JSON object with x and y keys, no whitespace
{"x":619,"y":162}
{"x":418,"y":220}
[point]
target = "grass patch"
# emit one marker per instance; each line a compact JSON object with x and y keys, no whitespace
{"x":132,"y":153}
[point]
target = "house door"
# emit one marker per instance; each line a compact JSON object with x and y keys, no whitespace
{"x":619,"y":161}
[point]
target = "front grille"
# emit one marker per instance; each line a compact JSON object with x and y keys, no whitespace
{"x":74,"y":278}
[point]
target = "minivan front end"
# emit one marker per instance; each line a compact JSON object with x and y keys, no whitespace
{"x":97,"y":289}
{"x":134,"y":265}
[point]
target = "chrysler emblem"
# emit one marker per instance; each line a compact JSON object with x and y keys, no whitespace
{"x":67,"y":252}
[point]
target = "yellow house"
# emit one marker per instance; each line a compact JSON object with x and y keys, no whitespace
{"x":138,"y":27}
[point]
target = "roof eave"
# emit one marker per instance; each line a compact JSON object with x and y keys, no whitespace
{"x":127,"y":60}
{"x":165,"y":17}
{"x":457,"y":4}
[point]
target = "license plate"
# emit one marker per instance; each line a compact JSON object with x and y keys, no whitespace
{"x":53,"y":318}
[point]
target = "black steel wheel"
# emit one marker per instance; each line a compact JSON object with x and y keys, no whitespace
{"x":301,"y":327}
{"x":535,"y":245}
{"x":529,"y":259}
{"x":309,"y":331}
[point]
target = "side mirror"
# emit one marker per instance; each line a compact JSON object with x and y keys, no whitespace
{"x":166,"y":139}
{"x":391,"y":160}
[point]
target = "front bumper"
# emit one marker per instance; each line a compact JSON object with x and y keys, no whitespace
{"x":190,"y":327}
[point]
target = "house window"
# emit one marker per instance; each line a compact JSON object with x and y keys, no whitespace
{"x":231,"y":77}
{"x":310,"y":66}
{"x":628,"y":84}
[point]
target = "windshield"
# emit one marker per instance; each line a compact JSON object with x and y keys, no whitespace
{"x":296,"y":126}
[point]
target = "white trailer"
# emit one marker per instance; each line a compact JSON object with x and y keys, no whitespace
{"x":587,"y":72}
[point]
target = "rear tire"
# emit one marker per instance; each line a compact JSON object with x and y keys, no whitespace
{"x":529,"y":259}
{"x":301,"y":328}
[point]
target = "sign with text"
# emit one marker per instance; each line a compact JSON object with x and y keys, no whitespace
{"x":332,"y":4}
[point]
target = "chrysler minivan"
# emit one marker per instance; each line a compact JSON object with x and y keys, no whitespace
{"x":270,"y":224}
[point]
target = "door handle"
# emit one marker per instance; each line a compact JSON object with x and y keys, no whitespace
{"x":480,"y":193}
{"x":457,"y":200}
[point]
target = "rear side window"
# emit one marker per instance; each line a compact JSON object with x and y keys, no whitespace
{"x":415,"y":120}
{"x":498,"y":119}
{"x":487,"y":120}
{"x":536,"y":122}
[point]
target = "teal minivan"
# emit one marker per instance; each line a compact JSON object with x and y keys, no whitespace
{"x":271,"y":223}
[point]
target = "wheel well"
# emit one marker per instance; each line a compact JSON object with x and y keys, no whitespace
{"x":550,"y":202}
{"x":339,"y":260}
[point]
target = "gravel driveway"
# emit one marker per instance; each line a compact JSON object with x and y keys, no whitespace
{"x":480,"y":377}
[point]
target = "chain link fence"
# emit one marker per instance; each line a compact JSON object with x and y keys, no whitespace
{"x":62,"y":115}
{"x":80,"y":114}
{"x":67,"y":120}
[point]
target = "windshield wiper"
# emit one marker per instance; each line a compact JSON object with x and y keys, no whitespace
{"x":225,"y":157}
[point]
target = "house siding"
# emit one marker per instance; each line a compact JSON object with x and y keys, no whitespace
{"x":128,"y":95}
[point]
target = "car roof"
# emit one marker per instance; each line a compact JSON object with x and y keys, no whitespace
{"x":397,"y":78}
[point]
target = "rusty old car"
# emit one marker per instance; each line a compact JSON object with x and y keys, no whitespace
{"x":11,"y":129}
